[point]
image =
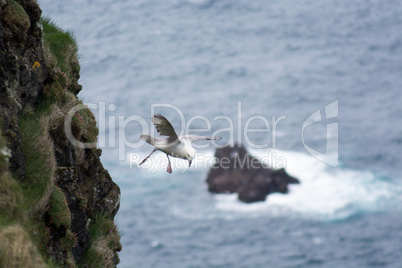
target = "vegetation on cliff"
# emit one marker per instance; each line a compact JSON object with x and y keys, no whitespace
{"x":57,"y":202}
{"x":18,"y":233}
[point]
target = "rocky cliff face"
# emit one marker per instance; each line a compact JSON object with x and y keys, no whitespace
{"x":65,"y":199}
{"x":21,"y":80}
{"x":236,"y":171}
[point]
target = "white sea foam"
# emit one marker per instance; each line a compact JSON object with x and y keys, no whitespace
{"x":323,"y":193}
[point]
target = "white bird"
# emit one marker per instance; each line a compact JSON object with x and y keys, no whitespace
{"x":173,"y":145}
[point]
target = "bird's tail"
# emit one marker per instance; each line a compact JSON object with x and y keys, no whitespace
{"x":147,"y":138}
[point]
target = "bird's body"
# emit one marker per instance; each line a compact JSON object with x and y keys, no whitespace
{"x":173,"y":145}
{"x":180,"y":149}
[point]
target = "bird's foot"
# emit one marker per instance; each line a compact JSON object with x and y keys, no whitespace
{"x":169,"y":169}
{"x":143,"y":161}
{"x":146,"y":158}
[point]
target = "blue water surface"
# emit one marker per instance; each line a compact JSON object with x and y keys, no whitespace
{"x":270,"y":58}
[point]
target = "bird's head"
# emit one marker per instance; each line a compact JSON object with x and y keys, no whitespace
{"x":190,"y":156}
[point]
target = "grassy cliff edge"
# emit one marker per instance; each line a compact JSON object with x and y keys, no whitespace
{"x":57,"y":202}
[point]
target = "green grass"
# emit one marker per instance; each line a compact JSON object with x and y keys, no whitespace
{"x":17,"y":248}
{"x":15,"y":16}
{"x":39,"y":158}
{"x":11,"y":200}
{"x":62,"y":47}
{"x":11,"y":197}
{"x":105,"y":241}
{"x":58,"y":211}
{"x":85,"y":120}
{"x":69,"y":241}
{"x":19,"y":234}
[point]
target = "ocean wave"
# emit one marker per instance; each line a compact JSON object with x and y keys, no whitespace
{"x":325,"y":193}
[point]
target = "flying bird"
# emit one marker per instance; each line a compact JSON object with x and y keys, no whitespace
{"x":173,"y":145}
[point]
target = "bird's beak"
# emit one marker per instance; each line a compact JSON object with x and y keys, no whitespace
{"x":189,"y":163}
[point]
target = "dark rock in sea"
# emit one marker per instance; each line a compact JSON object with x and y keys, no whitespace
{"x":238,"y":171}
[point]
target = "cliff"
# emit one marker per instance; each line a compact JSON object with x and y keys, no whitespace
{"x":57,"y":202}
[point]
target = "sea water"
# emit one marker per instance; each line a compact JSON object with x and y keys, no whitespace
{"x":274,"y":59}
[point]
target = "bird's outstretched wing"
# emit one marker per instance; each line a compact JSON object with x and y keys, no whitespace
{"x":193,"y":138}
{"x":164,"y":127}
